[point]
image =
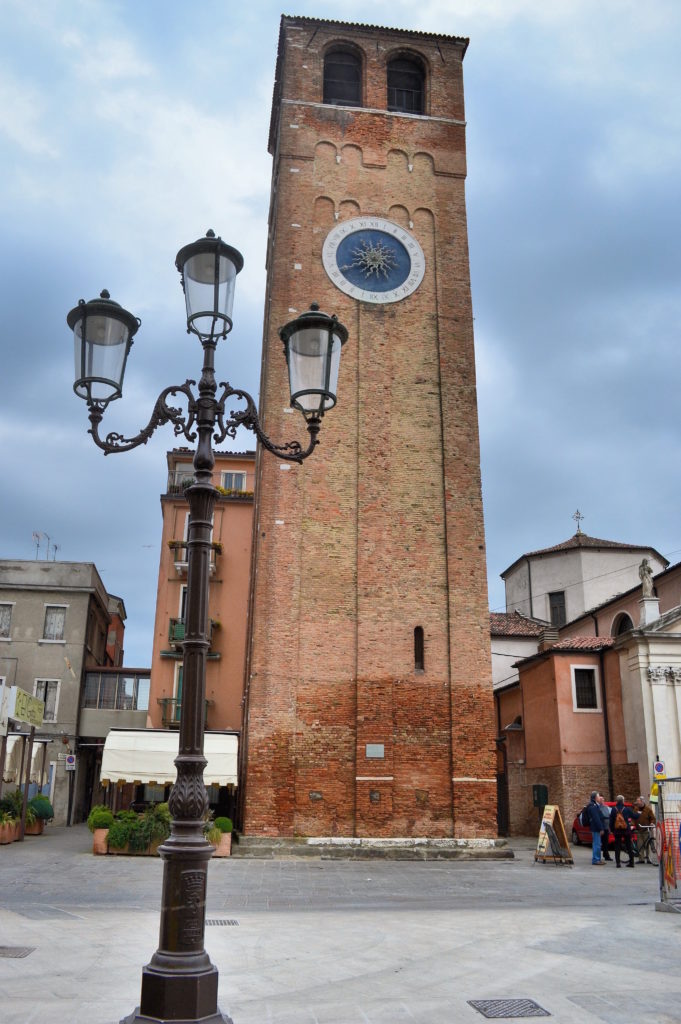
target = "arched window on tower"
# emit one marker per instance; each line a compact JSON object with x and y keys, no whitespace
{"x":343,"y":78}
{"x":406,"y":82}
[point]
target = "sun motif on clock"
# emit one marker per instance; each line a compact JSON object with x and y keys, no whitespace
{"x":373,"y":259}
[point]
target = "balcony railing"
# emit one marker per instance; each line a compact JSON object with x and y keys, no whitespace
{"x":179,"y":550}
{"x":177,"y":482}
{"x":171,"y":708}
{"x":176,"y":630}
{"x":176,"y":634}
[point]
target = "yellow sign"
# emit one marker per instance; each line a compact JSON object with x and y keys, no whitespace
{"x":24,"y":707}
{"x":552,"y":842}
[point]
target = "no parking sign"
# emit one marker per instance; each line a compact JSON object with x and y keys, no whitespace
{"x":658,"y":769}
{"x":70,"y":762}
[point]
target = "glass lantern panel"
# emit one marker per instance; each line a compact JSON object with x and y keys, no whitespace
{"x":209,"y":292}
{"x":100,"y":357}
{"x":312,"y":369}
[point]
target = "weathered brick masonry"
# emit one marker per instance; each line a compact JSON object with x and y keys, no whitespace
{"x":381,"y":530}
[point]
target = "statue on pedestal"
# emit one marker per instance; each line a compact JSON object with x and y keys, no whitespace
{"x":646,"y":576}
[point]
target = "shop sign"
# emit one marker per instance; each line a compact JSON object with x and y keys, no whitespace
{"x":24,"y":707}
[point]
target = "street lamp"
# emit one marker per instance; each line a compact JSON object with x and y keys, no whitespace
{"x":180,"y":983}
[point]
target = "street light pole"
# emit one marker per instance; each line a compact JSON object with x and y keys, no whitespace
{"x":180,"y":983}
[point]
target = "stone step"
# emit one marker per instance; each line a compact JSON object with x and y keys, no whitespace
{"x":350,"y":848}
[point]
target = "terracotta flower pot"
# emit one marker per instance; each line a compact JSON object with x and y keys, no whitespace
{"x":224,"y":847}
{"x":35,"y":829}
{"x":8,"y":833}
{"x":99,"y":843}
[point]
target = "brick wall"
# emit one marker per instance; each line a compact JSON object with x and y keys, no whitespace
{"x":381,"y":530}
{"x":570,"y":786}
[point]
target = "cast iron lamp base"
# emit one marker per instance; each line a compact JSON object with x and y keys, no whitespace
{"x":194,"y":996}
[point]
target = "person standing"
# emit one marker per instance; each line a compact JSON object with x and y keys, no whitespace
{"x":605,"y":835}
{"x":646,"y":820}
{"x":592,"y":812}
{"x":621,"y":818}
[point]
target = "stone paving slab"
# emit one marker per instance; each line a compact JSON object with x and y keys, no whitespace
{"x":343,"y":943}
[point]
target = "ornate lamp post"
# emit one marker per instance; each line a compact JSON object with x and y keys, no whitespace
{"x":180,"y":983}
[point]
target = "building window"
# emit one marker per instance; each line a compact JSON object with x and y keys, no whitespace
{"x":234,"y":481}
{"x":586,"y":694}
{"x":405,"y":86}
{"x":5,"y":620}
{"x":55,"y":617}
{"x":47,"y":690}
{"x":623,"y":625}
{"x":343,"y":78}
{"x":557,"y":608}
{"x":116,"y":691}
{"x":418,"y":649}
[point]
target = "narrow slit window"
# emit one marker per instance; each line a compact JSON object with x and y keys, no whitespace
{"x":419,"y":664}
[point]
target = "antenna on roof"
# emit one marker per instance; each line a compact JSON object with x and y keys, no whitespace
{"x":37,"y":537}
{"x":578,"y":519}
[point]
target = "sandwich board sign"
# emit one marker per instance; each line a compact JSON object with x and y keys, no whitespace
{"x":552,"y":842}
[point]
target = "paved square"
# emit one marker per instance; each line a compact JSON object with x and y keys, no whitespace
{"x":340,"y":942}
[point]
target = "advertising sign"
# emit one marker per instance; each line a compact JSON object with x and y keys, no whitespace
{"x":4,"y":704}
{"x":24,"y":707}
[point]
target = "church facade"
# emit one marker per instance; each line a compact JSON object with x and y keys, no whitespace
{"x":368,"y":699}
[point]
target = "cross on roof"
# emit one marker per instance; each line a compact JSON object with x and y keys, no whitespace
{"x":578,"y":519}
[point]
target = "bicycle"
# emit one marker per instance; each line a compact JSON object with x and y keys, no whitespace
{"x":645,"y":845}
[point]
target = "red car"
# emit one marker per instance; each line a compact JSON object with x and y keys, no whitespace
{"x":581,"y":834}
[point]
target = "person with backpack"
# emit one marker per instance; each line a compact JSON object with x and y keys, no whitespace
{"x":621,"y":818}
{"x":605,"y":837}
{"x":592,"y":819}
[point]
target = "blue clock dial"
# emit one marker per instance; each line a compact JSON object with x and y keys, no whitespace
{"x":373,"y":260}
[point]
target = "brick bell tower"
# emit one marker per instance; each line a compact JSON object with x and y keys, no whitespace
{"x":368,"y":708}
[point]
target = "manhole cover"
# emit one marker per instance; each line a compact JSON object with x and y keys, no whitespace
{"x":499,"y":1008}
{"x":219,"y":921}
{"x":16,"y":952}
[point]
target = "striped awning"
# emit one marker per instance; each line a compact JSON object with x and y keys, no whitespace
{"x":147,"y":756}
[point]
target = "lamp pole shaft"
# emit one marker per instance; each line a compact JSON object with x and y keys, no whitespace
{"x":180,"y":983}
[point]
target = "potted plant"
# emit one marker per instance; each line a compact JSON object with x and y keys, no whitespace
{"x":42,"y":808}
{"x":100,"y":820}
{"x":139,"y":833}
{"x":219,"y":834}
{"x":11,"y":807}
{"x":9,"y":828}
{"x":119,"y":833}
{"x":33,"y":826}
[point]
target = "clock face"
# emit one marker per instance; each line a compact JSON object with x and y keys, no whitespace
{"x":373,"y":260}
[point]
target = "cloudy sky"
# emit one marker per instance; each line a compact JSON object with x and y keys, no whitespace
{"x":127,"y":129}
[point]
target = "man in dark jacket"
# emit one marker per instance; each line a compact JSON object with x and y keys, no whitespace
{"x":621,"y":818}
{"x":592,"y":812}
{"x":605,"y":835}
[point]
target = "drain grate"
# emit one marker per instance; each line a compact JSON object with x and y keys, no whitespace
{"x":499,"y":1008}
{"x":220,"y":922}
{"x":16,"y":952}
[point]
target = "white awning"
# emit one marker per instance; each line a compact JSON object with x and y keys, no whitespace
{"x":147,"y":755}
